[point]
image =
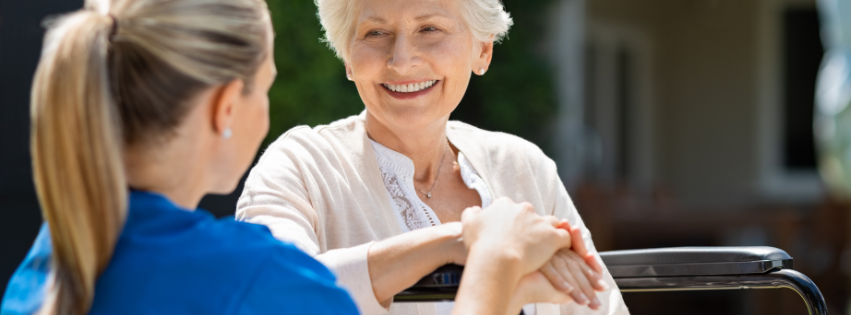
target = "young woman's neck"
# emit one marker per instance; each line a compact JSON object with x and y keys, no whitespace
{"x":176,"y":169}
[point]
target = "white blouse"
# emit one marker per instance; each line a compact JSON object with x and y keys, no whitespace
{"x":411,"y":212}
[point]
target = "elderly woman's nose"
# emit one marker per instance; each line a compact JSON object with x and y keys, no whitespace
{"x":404,"y":56}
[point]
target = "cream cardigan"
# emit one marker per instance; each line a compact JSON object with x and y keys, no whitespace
{"x":321,"y":190}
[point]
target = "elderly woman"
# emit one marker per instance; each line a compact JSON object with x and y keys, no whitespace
{"x":377,"y":197}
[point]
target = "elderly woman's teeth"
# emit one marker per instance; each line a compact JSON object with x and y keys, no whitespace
{"x":408,"y":88}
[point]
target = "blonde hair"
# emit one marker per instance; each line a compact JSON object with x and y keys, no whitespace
{"x":118,"y":73}
{"x":487,"y":19}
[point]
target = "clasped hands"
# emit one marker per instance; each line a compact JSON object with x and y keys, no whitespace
{"x":556,"y":266}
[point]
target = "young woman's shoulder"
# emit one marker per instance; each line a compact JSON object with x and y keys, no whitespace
{"x":213,"y":267}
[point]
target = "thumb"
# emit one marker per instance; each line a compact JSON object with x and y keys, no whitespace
{"x":563,"y":238}
{"x":564,"y":224}
{"x":578,"y":244}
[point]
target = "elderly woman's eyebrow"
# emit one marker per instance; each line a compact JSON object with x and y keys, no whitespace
{"x":375,"y":19}
{"x":380,"y":20}
{"x":429,"y":16}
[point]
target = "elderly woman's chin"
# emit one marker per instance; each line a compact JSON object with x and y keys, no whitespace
{"x":411,"y":116}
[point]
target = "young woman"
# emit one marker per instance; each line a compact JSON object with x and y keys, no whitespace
{"x":139,"y":109}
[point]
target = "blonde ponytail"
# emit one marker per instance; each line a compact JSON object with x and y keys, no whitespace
{"x":76,"y":148}
{"x":100,"y":87}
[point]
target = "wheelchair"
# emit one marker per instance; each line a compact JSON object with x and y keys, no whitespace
{"x":668,"y":269}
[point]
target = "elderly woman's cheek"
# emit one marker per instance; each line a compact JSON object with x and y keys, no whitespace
{"x":367,"y":64}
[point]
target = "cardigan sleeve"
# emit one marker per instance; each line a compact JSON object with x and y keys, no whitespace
{"x":563,"y":208}
{"x":276,"y":195}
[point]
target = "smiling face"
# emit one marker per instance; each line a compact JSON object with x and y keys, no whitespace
{"x":411,"y":61}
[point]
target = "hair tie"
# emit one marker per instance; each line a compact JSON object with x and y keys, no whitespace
{"x":114,"y":27}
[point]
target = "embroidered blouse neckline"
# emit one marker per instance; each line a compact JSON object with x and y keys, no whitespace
{"x":397,"y":170}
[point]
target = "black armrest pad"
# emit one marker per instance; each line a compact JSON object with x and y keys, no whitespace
{"x":695,"y":261}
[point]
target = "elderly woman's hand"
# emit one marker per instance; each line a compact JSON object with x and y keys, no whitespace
{"x":576,"y":271}
{"x":455,"y":250}
{"x":536,"y":288}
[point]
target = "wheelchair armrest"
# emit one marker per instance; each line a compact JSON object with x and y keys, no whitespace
{"x":695,"y":261}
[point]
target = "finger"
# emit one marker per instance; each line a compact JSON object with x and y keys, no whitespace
{"x":563,"y":238}
{"x":578,"y":244}
{"x":580,"y":248}
{"x":561,"y":266}
{"x":555,"y":278}
{"x":564,"y":225}
{"x":540,"y":290}
{"x":555,"y":222}
{"x":470,"y":213}
{"x":594,"y":263}
{"x":528,"y":207}
{"x":575,"y":267}
{"x":594,"y":277}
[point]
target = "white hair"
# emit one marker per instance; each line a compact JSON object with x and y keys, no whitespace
{"x":487,"y":19}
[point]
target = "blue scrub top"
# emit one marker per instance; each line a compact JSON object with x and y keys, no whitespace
{"x":172,"y":261}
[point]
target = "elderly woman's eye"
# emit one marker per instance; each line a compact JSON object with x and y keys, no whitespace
{"x":374,"y":33}
{"x":429,"y":29}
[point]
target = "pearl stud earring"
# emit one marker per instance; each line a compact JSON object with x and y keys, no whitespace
{"x":349,"y":76}
{"x":482,"y":71}
{"x":227,"y":134}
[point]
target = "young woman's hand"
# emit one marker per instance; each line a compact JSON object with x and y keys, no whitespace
{"x":576,"y":271}
{"x":506,"y":242}
{"x":515,"y":230}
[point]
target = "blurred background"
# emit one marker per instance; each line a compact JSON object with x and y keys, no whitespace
{"x":673,"y":123}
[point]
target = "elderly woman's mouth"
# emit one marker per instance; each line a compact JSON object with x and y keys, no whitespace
{"x":411,"y":87}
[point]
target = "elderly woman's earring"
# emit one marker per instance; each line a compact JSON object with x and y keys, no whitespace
{"x":227,"y":134}
{"x":349,"y":76}
{"x":482,"y":71}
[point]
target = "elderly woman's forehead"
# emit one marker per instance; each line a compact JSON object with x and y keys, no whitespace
{"x":384,"y":10}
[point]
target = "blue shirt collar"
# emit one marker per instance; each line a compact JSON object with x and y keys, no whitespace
{"x":146,"y":210}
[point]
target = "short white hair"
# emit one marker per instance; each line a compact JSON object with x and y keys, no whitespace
{"x":487,"y":19}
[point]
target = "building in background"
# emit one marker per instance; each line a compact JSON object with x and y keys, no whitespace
{"x":690,"y":123}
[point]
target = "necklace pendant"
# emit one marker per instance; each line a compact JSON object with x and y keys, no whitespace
{"x":428,"y":195}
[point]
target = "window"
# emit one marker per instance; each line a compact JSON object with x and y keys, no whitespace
{"x":789,"y":54}
{"x":802,"y":54}
{"x":618,"y":105}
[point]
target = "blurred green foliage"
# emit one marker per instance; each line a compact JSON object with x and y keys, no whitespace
{"x":311,"y":87}
{"x":515,"y":96}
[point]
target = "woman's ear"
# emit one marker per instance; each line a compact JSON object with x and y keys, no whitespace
{"x":348,"y":71}
{"x":484,"y":59}
{"x":224,"y":106}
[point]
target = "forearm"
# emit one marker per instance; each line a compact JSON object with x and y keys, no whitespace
{"x":489,"y":283}
{"x":399,"y":262}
